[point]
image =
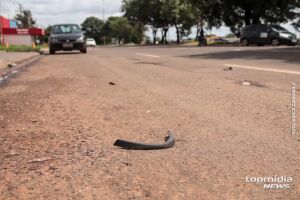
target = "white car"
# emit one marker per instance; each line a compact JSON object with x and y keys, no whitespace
{"x":90,"y":42}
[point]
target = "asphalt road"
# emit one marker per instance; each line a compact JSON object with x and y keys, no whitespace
{"x":60,"y":118}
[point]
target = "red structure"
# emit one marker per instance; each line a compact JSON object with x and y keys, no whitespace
{"x":12,"y":35}
{"x":5,"y":23}
{"x":17,"y":31}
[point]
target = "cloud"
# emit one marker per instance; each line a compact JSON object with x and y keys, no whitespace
{"x":48,"y":12}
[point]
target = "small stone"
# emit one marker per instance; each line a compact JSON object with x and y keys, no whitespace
{"x":246,"y":83}
{"x":11,"y":65}
{"x":126,"y":163}
{"x":40,"y":160}
{"x":13,"y":153}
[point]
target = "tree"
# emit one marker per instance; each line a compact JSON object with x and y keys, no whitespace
{"x":159,"y":14}
{"x":184,"y":20}
{"x":138,"y":14}
{"x":120,"y":28}
{"x":240,"y":13}
{"x":24,"y":18}
{"x":146,"y":13}
{"x":93,"y":27}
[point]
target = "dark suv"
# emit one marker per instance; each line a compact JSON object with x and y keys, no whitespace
{"x":67,"y":37}
{"x":262,"y":34}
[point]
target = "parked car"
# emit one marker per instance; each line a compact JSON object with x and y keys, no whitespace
{"x":90,"y":42}
{"x":261,"y":34}
{"x":67,"y":37}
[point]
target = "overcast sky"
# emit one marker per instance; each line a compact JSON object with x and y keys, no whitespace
{"x":49,"y":12}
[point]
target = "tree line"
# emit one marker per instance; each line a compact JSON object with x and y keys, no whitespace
{"x":160,"y":15}
{"x":184,"y":14}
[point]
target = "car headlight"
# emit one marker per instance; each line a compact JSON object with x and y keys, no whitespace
{"x":81,"y":39}
{"x":54,"y":40}
{"x":284,"y":35}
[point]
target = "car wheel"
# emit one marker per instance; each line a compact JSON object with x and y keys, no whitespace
{"x":83,"y":51}
{"x":52,"y":51}
{"x":245,"y":42}
{"x":275,"y":42}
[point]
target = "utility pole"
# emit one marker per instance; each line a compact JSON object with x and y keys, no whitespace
{"x":103,"y":14}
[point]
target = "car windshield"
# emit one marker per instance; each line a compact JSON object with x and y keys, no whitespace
{"x":278,"y":28}
{"x":61,"y":29}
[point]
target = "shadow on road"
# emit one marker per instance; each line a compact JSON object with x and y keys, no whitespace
{"x":65,"y":53}
{"x":288,"y":54}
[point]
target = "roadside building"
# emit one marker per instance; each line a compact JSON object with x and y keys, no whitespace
{"x":12,"y":35}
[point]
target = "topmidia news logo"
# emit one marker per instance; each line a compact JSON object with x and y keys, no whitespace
{"x":272,"y":182}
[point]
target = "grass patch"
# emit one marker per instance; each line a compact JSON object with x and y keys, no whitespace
{"x":19,"y":48}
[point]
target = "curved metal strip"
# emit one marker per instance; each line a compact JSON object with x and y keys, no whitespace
{"x":141,"y":146}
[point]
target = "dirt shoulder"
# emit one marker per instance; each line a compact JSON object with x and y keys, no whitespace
{"x":17,"y":57}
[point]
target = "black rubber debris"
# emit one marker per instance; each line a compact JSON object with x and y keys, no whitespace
{"x":170,"y":142}
{"x":228,"y":69}
{"x":112,"y":83}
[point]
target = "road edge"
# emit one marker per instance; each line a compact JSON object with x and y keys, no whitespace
{"x":21,"y":64}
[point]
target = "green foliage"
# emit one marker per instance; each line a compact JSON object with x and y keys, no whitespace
{"x":161,"y":14}
{"x":183,"y":14}
{"x":236,"y":14}
{"x":121,"y":29}
{"x":208,"y":12}
{"x":19,"y":48}
{"x":115,"y":27}
{"x":93,"y":27}
{"x":24,"y":18}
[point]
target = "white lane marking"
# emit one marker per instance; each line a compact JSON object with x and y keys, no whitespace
{"x":264,"y":69}
{"x":147,"y":55}
{"x":238,"y":49}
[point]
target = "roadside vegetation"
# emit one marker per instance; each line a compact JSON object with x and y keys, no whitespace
{"x":158,"y":16}
{"x":19,"y":48}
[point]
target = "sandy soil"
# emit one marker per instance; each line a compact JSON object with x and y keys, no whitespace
{"x":60,"y":118}
{"x":14,"y":57}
